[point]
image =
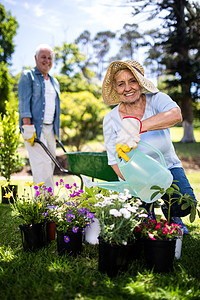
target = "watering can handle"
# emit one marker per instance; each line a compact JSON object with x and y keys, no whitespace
{"x":154,"y":149}
{"x":157,"y":151}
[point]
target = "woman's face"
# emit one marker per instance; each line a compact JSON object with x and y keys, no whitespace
{"x":127,"y":87}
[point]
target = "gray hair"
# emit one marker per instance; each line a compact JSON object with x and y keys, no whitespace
{"x":44,"y":46}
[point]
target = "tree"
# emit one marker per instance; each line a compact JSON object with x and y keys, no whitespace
{"x":5,"y":86}
{"x":101,"y":45}
{"x":8,"y":28}
{"x":177,"y":41}
{"x":69,"y":57}
{"x":129,"y":40}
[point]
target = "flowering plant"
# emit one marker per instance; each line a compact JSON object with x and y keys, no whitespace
{"x":158,"y":230}
{"x":119,"y":214}
{"x":31,"y":207}
{"x":69,"y":214}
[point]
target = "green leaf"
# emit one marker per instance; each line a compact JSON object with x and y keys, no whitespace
{"x":192,"y":214}
{"x":154,"y":195}
{"x":155,"y":187}
{"x":185,"y":206}
{"x":175,"y":186}
{"x":170,"y":191}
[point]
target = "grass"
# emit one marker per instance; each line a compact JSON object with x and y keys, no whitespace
{"x":45,"y":275}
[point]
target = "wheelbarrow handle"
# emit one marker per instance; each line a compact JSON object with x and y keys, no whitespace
{"x":56,"y":162}
{"x":61,"y":145}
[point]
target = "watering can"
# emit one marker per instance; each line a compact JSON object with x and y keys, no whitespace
{"x":141,"y":172}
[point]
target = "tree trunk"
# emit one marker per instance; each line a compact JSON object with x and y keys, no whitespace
{"x":188,"y":136}
{"x":187,"y":112}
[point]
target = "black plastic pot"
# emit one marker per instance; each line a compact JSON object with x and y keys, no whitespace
{"x":113,"y":258}
{"x":33,"y":236}
{"x":6,"y":190}
{"x":159,"y":254}
{"x":73,"y":246}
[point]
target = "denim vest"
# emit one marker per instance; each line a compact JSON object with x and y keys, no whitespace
{"x":31,"y":92}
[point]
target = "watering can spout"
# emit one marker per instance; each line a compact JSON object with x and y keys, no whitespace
{"x":116,"y":186}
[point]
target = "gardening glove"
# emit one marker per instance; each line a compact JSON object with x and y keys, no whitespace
{"x":128,"y":137}
{"x":29,"y":133}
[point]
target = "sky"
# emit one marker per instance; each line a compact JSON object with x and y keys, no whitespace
{"x":54,"y":22}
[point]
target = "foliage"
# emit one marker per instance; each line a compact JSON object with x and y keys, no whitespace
{"x":70,"y":57}
{"x":8,"y":28}
{"x":5,"y":86}
{"x":175,"y":196}
{"x":69,"y":214}
{"x":129,"y":37}
{"x":81,"y":117}
{"x":101,"y":47}
{"x":175,"y":48}
{"x":118,"y":215}
{"x":159,"y":230}
{"x":78,"y":83}
{"x":10,"y":161}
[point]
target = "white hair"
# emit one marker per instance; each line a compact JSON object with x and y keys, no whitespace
{"x":43,"y":46}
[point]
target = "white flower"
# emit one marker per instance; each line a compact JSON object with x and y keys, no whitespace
{"x":124,"y":243}
{"x":143,"y":216}
{"x":115,"y":212}
{"x":139,"y":202}
{"x":125,"y":213}
{"x":131,"y":208}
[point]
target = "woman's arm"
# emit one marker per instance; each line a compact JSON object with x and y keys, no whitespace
{"x":117,"y":171}
{"x":162,"y":120}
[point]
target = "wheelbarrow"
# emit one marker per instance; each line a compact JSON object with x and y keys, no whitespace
{"x":91,"y":164}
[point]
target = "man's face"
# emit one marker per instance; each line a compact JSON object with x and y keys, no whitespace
{"x":44,"y":61}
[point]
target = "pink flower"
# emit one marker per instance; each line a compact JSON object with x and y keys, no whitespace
{"x":151,"y":236}
{"x":165,"y":230}
{"x":158,"y":226}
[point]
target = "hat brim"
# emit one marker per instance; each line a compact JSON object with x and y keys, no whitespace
{"x":109,"y":94}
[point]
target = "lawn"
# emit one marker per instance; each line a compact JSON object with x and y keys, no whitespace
{"x":46,"y":275}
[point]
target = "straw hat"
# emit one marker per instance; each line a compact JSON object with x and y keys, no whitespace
{"x":110,"y":96}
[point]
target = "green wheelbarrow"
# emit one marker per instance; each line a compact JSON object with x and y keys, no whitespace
{"x":91,"y":164}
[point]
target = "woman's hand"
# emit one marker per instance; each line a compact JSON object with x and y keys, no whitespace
{"x":128,"y":137}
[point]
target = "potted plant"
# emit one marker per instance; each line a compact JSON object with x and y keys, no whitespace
{"x":160,"y":236}
{"x":10,"y":162}
{"x":31,"y":209}
{"x":71,"y":219}
{"x":118,"y":214}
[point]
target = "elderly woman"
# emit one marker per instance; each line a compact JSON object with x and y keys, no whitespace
{"x":143,"y":113}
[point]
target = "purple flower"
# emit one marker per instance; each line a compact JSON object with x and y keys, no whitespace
{"x":90,"y":215}
{"x":57,"y":183}
{"x":61,"y":180}
{"x":68,"y":186}
{"x":73,"y":195}
{"x":49,"y":190}
{"x":66,"y":239}
{"x":37,"y":194}
{"x":75,"y":229}
{"x":45,"y":214}
{"x":74,"y":184}
{"x":36,"y":187}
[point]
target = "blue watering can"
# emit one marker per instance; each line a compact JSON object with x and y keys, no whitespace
{"x":141,"y":172}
